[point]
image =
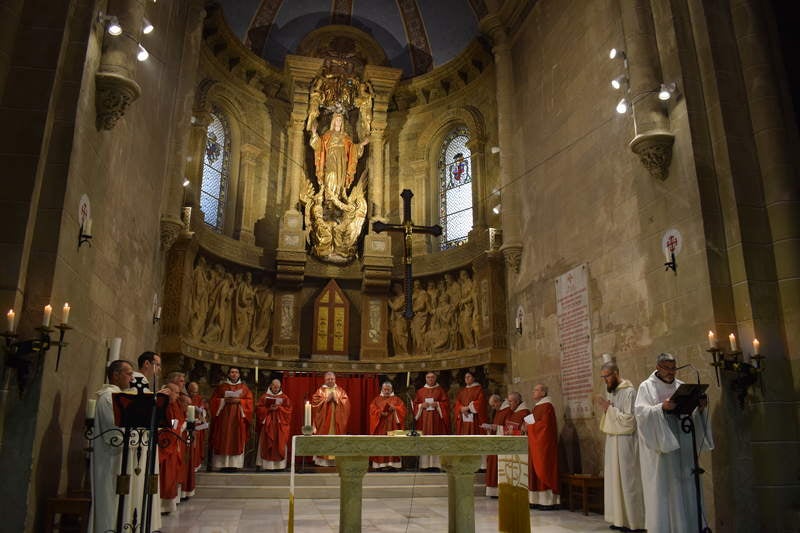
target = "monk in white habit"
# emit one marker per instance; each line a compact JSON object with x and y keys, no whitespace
{"x":666,"y":453}
{"x":107,"y":458}
{"x":330,"y":410}
{"x":432,"y":415}
{"x":232,"y":414}
{"x":273,"y":418}
{"x":387,"y":413}
{"x":542,"y":431}
{"x":623,"y":500}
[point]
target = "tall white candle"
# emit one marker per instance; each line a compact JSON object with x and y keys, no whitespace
{"x":307,"y":418}
{"x":87,"y":227}
{"x":408,"y":379}
{"x":10,"y":316}
{"x":48,"y":311}
{"x":65,"y":313}
{"x":712,"y":339}
{"x":190,"y":413}
{"x":667,"y":255}
{"x":91,"y":406}
{"x":113,"y":350}
{"x":734,"y":346}
{"x":756,"y":347}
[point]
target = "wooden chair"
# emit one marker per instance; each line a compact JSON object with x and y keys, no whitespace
{"x":65,"y":514}
{"x":588,"y":486}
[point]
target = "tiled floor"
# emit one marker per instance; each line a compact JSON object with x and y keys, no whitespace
{"x":389,"y":515}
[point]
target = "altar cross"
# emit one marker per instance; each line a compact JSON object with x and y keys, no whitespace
{"x":408,"y":228}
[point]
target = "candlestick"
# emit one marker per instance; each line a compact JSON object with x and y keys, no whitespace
{"x":48,"y":311}
{"x":307,"y":418}
{"x":91,"y":406}
{"x":734,"y":346}
{"x":113,"y":351}
{"x":10,"y":315}
{"x":408,"y":379}
{"x":712,"y":339}
{"x":65,"y":313}
{"x":756,"y":347}
{"x":256,"y":372}
{"x":190,"y":413}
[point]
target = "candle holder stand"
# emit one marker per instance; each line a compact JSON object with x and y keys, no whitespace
{"x":671,"y":264}
{"x":25,"y":357}
{"x":741,"y":373}
{"x":307,"y":430}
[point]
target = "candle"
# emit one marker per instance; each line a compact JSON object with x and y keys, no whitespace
{"x":307,"y":419}
{"x":87,"y":227}
{"x":10,"y":315}
{"x":712,"y":339}
{"x":65,"y":313}
{"x":667,"y":255}
{"x":190,"y":413}
{"x":408,"y":379}
{"x":48,"y":310}
{"x":256,"y":372}
{"x":91,"y":405}
{"x":113,"y":350}
{"x":158,"y":312}
{"x":756,"y":347}
{"x":734,"y":346}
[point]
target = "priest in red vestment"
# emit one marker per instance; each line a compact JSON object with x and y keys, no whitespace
{"x":501,"y":410}
{"x":330,"y":410}
{"x":432,"y":415}
{"x":387,"y":413}
{"x":470,"y":408}
{"x":232,"y":413}
{"x":201,"y":420}
{"x":170,"y":457}
{"x":273,"y":417}
{"x":542,"y":433}
{"x":186,"y":480}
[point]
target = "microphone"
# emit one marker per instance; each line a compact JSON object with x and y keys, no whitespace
{"x":689,"y":365}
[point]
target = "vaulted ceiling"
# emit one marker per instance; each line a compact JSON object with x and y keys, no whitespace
{"x":416,"y":35}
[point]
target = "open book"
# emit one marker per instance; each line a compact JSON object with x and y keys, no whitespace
{"x":687,"y":398}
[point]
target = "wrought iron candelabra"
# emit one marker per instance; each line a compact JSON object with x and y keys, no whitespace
{"x":27,"y":356}
{"x":743,"y":374}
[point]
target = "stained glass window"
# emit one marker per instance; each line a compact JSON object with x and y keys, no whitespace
{"x":455,"y":189}
{"x":216,"y":165}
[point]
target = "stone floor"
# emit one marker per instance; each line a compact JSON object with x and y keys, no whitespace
{"x":427,"y":515}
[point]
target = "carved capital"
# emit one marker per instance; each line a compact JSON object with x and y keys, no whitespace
{"x":654,"y":149}
{"x":171,"y":228}
{"x":513,"y":255}
{"x":113,"y":94}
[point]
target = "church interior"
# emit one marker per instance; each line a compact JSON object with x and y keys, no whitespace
{"x":279,"y":186}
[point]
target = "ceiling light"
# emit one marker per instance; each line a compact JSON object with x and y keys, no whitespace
{"x":665,"y":93}
{"x":618,"y":81}
{"x":113,"y":26}
{"x":613,"y":53}
{"x":622,"y":107}
{"x":143,"y":54}
{"x":147,"y":26}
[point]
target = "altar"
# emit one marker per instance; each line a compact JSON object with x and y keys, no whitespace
{"x":461,"y":458}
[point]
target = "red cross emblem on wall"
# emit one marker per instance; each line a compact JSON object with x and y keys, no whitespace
{"x":672,"y":243}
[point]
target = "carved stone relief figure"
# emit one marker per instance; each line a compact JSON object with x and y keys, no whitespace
{"x":419,"y":323}
{"x":467,"y":319}
{"x":243,"y":310}
{"x":346,"y":233}
{"x":438,"y":338}
{"x":397,"y":321}
{"x":262,"y":322}
{"x":219,"y":305}
{"x":198,"y":311}
{"x":453,"y":300}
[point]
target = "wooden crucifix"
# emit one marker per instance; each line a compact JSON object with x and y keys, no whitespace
{"x":408,"y":228}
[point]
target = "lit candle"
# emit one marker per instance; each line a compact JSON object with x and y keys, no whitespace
{"x":256,"y":372}
{"x":10,"y":315}
{"x":158,"y":313}
{"x":91,"y":406}
{"x":734,"y":346}
{"x":307,"y":419}
{"x":65,"y":313}
{"x":113,"y":351}
{"x":712,"y":339}
{"x":48,"y":310}
{"x":756,"y":347}
{"x":190,"y":413}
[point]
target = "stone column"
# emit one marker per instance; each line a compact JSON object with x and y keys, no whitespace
{"x":489,"y":281}
{"x":351,"y":477}
{"x":652,"y":140}
{"x":510,"y":215}
{"x":375,"y":182}
{"x":245,"y":199}
{"x":377,"y":271}
{"x":460,"y":498}
{"x":194,"y":163}
{"x":477,"y":147}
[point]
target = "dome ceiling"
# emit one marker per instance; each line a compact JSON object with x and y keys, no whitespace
{"x":416,"y":35}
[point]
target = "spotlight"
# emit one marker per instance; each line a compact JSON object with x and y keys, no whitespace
{"x":113,"y":26}
{"x":147,"y":26}
{"x":495,"y":149}
{"x":622,"y":106}
{"x":665,"y":93}
{"x":186,"y":182}
{"x":496,"y":209}
{"x":143,"y":54}
{"x":618,"y":81}
{"x":613,"y":53}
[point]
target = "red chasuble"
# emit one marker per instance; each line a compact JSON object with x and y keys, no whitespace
{"x":230,"y":419}
{"x":330,"y":417}
{"x":432,"y":410}
{"x":273,"y":416}
{"x":170,"y":459}
{"x":470,"y":396}
{"x":386,"y":413}
{"x":491,"y":460}
{"x":543,"y":449}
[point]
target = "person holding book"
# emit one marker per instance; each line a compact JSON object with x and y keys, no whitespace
{"x":232,"y":413}
{"x":273,"y":418}
{"x":330,"y":408}
{"x":387,"y":413}
{"x":432,"y":414}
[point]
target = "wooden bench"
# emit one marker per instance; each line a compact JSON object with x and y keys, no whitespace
{"x":588,"y":486}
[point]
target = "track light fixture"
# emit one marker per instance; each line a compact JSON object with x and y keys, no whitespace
{"x":622,"y":106}
{"x":113,"y":26}
{"x":147,"y":26}
{"x":666,"y":91}
{"x":615,"y":53}
{"x":143,"y":53}
{"x":617,"y":82}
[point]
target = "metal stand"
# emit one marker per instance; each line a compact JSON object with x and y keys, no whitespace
{"x":687,"y":426}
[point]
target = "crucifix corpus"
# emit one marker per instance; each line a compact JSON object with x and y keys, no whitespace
{"x":408,"y":229}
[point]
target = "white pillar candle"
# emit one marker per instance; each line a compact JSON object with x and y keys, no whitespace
{"x":48,"y":311}
{"x":91,"y":406}
{"x":667,"y":255}
{"x":65,"y":313}
{"x":734,"y":346}
{"x":756,"y":347}
{"x":190,"y":413}
{"x":307,"y":418}
{"x":712,"y":339}
{"x":10,"y":316}
{"x":113,"y":350}
{"x":408,"y":379}
{"x":87,"y":227}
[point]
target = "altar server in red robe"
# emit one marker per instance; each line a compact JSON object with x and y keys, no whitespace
{"x":501,"y":411}
{"x":330,"y":409}
{"x":542,"y":434}
{"x":387,"y":413}
{"x":170,"y":457}
{"x":432,"y":415}
{"x":232,"y":414}
{"x":273,"y":416}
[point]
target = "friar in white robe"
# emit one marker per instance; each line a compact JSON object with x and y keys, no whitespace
{"x":624,"y":503}
{"x":666,"y":453}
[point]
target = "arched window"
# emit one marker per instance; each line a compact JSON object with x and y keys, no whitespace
{"x":216,"y":170}
{"x":455,"y":189}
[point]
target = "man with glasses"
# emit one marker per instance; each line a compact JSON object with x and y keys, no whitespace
{"x":624,"y":506}
{"x":666,"y":453}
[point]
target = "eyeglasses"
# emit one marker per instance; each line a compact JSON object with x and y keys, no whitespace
{"x":671,"y":368}
{"x":605,"y":376}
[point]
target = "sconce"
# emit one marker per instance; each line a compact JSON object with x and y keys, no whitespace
{"x":85,"y":233}
{"x":743,"y":374}
{"x":670,"y":263}
{"x":518,"y":320}
{"x":26,"y":356}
